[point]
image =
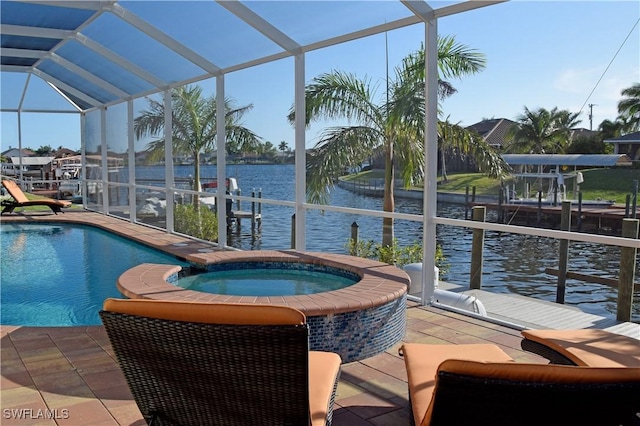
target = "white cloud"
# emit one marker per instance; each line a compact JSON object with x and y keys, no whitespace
{"x":577,"y":81}
{"x":581,"y":87}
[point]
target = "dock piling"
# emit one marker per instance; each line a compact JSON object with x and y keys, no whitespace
{"x":563,"y":261}
{"x":293,"y":231}
{"x":539,"y":218}
{"x":634,"y":197}
{"x":253,"y":212}
{"x":627,"y":271}
{"x":475,"y":280}
{"x":354,"y":233}
{"x":500,"y":200}
{"x":466,"y":203}
{"x":579,"y":219}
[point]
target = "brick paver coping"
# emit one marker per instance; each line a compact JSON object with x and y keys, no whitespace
{"x":380,"y":283}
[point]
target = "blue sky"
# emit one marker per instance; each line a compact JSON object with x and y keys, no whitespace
{"x":547,"y":54}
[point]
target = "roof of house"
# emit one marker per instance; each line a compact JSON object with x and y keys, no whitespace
{"x":65,"y":152}
{"x":32,"y":161}
{"x":14,"y":152}
{"x":630,"y":138}
{"x":579,"y":131}
{"x":493,"y":131}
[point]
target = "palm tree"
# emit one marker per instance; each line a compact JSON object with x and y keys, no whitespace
{"x":283,"y":148}
{"x":194,"y":126}
{"x":394,"y":127}
{"x":455,"y":139}
{"x":629,"y":107}
{"x":268,"y":150}
{"x":611,"y":129}
{"x":541,"y":131}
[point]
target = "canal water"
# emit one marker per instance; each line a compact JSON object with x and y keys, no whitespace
{"x":512,"y":263}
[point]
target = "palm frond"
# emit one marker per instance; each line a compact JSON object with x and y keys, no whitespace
{"x":457,"y":60}
{"x":339,"y":148}
{"x":409,"y":152}
{"x":629,"y":108}
{"x":339,"y":95}
{"x":453,"y":137}
{"x":541,"y":131}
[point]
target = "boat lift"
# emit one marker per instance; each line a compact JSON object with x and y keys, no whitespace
{"x":549,"y":168}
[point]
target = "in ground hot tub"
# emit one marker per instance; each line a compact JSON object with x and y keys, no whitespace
{"x":356,"y":321}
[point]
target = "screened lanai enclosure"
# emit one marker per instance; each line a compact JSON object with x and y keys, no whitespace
{"x":108,"y":62}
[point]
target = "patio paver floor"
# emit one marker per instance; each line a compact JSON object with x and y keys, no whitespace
{"x":70,"y":374}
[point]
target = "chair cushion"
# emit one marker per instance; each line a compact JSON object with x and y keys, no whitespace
{"x":590,"y":347}
{"x":15,"y":191}
{"x":422,"y":362}
{"x":208,"y":313}
{"x":324,"y":368}
{"x":541,"y":373}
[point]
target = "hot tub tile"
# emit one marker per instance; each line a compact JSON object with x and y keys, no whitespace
{"x":341,"y":318}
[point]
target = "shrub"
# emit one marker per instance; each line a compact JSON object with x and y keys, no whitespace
{"x":394,"y":254}
{"x":200,"y":222}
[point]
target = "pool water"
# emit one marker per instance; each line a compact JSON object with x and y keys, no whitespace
{"x":265,"y":282}
{"x":59,"y":275}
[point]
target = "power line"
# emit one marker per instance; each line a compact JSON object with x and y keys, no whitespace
{"x":608,"y":66}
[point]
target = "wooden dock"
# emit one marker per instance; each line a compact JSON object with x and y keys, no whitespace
{"x":237,"y":216}
{"x":527,"y":312}
{"x":597,"y":220}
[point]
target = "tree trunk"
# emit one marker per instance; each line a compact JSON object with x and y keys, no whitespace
{"x":388,"y":202}
{"x":196,"y":179}
{"x":443,"y":166}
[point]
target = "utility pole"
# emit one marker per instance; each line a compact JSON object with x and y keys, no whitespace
{"x":591,"y":116}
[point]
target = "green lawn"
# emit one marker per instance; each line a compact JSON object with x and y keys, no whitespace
{"x":607,"y":184}
{"x":31,"y":196}
{"x":365,"y":176}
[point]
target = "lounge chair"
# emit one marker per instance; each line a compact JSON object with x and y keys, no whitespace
{"x":221,"y":364}
{"x":21,"y":200}
{"x":587,"y":347}
{"x":480,"y":385}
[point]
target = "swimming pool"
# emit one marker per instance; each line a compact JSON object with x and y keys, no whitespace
{"x":59,"y":275}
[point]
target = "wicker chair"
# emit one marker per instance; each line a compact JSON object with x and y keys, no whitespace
{"x":587,"y":347}
{"x":478,"y":384}
{"x":221,"y":364}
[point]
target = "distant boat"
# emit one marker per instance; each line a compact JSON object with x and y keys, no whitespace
{"x":231,"y":185}
{"x":153,"y":204}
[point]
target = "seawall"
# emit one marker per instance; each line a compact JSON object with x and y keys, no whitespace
{"x":376,"y":189}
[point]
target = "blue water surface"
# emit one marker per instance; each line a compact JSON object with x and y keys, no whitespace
{"x":59,"y":274}
{"x":265,"y":282}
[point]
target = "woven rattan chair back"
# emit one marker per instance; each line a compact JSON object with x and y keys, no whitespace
{"x":183,"y":373}
{"x":492,"y":401}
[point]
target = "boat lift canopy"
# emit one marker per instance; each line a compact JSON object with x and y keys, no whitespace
{"x":554,"y":176}
{"x":595,"y":160}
